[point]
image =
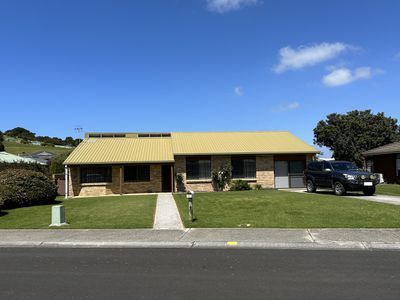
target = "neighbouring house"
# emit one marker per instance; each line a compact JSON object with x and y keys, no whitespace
{"x":42,"y":157}
{"x":122,"y":163}
{"x":11,"y":158}
{"x":385,"y":160}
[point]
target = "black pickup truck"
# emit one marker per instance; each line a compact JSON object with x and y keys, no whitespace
{"x":341,"y":176}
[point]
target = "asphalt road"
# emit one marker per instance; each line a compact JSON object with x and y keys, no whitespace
{"x":197,"y":274}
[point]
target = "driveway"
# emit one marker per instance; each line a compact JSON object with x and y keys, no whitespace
{"x":395,"y":200}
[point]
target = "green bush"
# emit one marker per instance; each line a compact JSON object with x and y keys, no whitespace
{"x":47,"y":144}
{"x":221,"y":177}
{"x":25,"y":166}
{"x":240,"y":185}
{"x":1,"y":142}
{"x":25,"y":187}
{"x":56,"y":166}
{"x":180,"y":185}
{"x":258,"y":187}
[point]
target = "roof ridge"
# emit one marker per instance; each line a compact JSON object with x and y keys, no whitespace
{"x":237,"y":131}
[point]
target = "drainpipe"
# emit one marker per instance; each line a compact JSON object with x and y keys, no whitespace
{"x":120,"y":180}
{"x":66,"y":182}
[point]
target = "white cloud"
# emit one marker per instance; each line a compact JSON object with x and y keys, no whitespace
{"x":238,"y":90}
{"x":223,"y":6}
{"x":303,"y":56}
{"x":343,"y":76}
{"x":286,"y":107}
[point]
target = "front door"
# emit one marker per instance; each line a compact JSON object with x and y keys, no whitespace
{"x":166,"y":178}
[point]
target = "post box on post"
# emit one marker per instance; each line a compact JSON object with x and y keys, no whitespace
{"x":190,"y":196}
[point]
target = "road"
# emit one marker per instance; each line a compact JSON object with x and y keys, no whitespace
{"x":49,"y":273}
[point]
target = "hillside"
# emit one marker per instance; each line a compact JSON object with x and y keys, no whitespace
{"x":18,"y":148}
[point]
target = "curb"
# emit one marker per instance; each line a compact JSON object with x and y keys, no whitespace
{"x":209,"y":245}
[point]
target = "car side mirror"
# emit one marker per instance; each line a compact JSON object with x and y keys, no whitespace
{"x":327,"y":170}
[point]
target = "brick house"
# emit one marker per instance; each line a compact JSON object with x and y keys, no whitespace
{"x":124,"y":163}
{"x":385,"y":160}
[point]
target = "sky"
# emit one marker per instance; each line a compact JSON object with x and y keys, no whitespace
{"x":195,"y":65}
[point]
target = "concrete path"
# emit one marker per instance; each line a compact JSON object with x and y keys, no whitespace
{"x":257,"y":238}
{"x":167,"y":214}
{"x":395,"y":200}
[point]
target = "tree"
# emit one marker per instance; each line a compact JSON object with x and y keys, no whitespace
{"x":69,"y":141}
{"x":56,"y":166}
{"x":22,"y":133}
{"x":348,"y":135}
{"x":1,"y":142}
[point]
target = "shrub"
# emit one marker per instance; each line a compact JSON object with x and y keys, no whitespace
{"x":180,"y":186}
{"x":1,"y":141}
{"x":56,"y":166}
{"x":221,"y":177}
{"x":20,"y":187}
{"x":240,"y":185}
{"x":25,"y":166}
{"x":47,"y":144}
{"x":258,"y":187}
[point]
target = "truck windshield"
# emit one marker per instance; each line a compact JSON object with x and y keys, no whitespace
{"x":343,"y":166}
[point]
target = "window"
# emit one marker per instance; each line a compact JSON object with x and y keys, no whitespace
{"x":96,"y":174}
{"x":398,"y":165}
{"x":136,"y":173}
{"x":198,"y":168}
{"x":315,"y":166}
{"x":296,"y":166}
{"x":243,"y":167}
{"x":344,"y":166}
{"x":326,"y":165}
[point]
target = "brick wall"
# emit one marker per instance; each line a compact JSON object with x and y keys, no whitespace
{"x":113,"y":188}
{"x":264,"y":169}
{"x":154,"y":185}
{"x":264,"y":177}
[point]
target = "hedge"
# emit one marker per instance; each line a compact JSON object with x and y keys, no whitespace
{"x":19,"y":187}
{"x":26,"y":166}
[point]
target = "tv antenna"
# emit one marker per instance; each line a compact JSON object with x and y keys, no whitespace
{"x":78,"y":131}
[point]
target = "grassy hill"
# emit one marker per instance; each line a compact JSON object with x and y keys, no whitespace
{"x":18,"y":148}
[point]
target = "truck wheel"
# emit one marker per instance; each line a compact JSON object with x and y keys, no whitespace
{"x":369,"y":191}
{"x":310,"y":186}
{"x":339,"y":189}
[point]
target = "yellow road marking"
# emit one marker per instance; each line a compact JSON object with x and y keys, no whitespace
{"x":232,"y":243}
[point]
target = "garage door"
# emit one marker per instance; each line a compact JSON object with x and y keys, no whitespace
{"x":296,"y":169}
{"x":281,"y":174}
{"x":289,"y":174}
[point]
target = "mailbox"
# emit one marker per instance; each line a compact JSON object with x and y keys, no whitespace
{"x":189,"y":195}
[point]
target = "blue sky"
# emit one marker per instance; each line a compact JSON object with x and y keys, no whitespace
{"x":195,"y":65}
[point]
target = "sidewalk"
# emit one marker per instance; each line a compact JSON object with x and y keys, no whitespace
{"x":360,"y":239}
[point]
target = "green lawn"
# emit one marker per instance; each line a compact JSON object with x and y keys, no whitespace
{"x":18,"y":148}
{"x":278,"y":209}
{"x":388,"y":189}
{"x":100,"y":212}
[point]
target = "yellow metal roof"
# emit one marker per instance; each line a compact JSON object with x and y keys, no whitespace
{"x":254,"y":142}
{"x":121,"y":150}
{"x":162,"y":149}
